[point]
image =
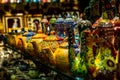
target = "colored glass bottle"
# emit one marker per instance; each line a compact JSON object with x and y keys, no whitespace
{"x":45,"y":27}
{"x":52,"y":22}
{"x":60,"y":26}
{"x":69,"y":23}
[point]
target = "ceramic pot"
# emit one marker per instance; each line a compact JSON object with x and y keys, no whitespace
{"x":30,"y":49}
{"x":22,"y":44}
{"x":37,"y":44}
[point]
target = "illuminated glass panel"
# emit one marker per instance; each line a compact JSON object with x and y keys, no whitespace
{"x":54,"y":0}
{"x":44,"y":0}
{"x":28,"y":0}
{"x":62,"y":0}
{"x":48,"y":0}
{"x":12,"y":1}
{"x":39,"y":0}
{"x":4,"y":1}
{"x":35,"y":0}
{"x":18,"y":1}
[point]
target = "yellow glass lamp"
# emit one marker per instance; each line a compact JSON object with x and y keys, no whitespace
{"x":22,"y":44}
{"x":30,"y":49}
{"x":14,"y":40}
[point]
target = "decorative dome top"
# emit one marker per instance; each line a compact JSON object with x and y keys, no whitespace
{"x":60,"y":19}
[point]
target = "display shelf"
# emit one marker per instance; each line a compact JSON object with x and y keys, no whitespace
{"x":66,"y":76}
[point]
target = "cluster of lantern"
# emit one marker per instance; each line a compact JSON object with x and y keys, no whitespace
{"x":29,"y":1}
